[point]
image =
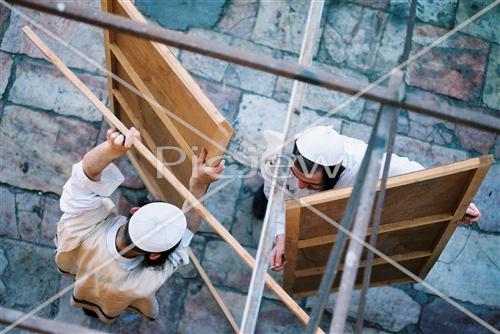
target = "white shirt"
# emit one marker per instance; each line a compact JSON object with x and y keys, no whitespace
{"x":80,"y":195}
{"x":354,"y":151}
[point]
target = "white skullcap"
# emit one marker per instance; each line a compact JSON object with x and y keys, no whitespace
{"x":157,"y":227}
{"x":322,"y":145}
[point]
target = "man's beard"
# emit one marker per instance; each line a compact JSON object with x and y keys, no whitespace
{"x":157,"y":264}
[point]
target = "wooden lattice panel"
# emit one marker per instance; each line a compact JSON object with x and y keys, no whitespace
{"x":154,"y":71}
{"x":419,"y":216}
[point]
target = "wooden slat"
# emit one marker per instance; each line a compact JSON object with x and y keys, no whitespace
{"x":291,"y":239}
{"x":362,"y":264}
{"x":386,"y":228}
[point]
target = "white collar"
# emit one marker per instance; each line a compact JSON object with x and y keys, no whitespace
{"x":126,"y":263}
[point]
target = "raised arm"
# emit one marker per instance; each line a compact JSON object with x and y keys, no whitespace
{"x":201,"y":178}
{"x":102,"y":155}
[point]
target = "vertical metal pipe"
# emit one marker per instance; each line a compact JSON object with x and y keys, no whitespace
{"x":276,"y":196}
{"x":364,"y":211}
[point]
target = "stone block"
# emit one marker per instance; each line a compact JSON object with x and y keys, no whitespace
{"x":276,"y":318}
{"x":207,"y":67}
{"x":239,"y":20}
{"x":379,"y":4}
{"x":225,"y":98}
{"x":258,"y":113}
{"x":352,"y":35}
{"x":444,"y":155}
{"x":5,"y":67}
{"x":323,"y":99}
{"x":467,"y":269}
{"x":182,"y":15}
{"x":40,"y":86}
{"x":454,"y":68}
{"x":221,"y":199}
{"x":440,"y":13}
{"x":247,"y":78}
{"x":486,"y":26}
{"x":356,"y":130}
{"x":201,"y":314}
{"x":83,"y":37}
{"x":477,"y":140}
{"x":487,"y":200}
{"x":388,"y":307}
{"x":30,"y":277}
{"x":29,"y":208}
{"x":40,"y":149}
{"x":491,"y":93}
{"x":8,"y":220}
{"x":51,"y":215}
{"x":441,"y":317}
{"x":280,"y":24}
{"x":391,"y":45}
{"x":4,"y":18}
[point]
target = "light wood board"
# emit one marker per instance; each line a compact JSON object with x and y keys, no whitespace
{"x":420,"y":213}
{"x":176,"y":112}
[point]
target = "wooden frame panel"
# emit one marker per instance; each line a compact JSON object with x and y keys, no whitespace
{"x":174,"y":104}
{"x":420,"y":213}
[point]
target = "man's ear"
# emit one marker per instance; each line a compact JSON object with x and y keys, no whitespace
{"x":154,"y":256}
{"x":134,"y":210}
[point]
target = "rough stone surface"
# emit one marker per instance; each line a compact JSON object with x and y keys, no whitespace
{"x":486,"y":26}
{"x":51,"y":216}
{"x":225,"y":98}
{"x":454,"y":68}
{"x":207,"y":67}
{"x":201,"y":313}
{"x":249,"y":79}
{"x":5,"y":67}
{"x":30,"y":89}
{"x":30,"y":277}
{"x":29,"y":208}
{"x":288,"y":17}
{"x":389,"y":307}
{"x":440,"y":12}
{"x":391,"y":45}
{"x":258,"y":114}
{"x":40,"y":149}
{"x":487,"y":199}
{"x":3,"y":266}
{"x":182,"y":15}
{"x":491,"y":93}
{"x":8,"y":220}
{"x":239,"y":20}
{"x":83,"y":37}
{"x":356,"y":130}
{"x":476,"y":140}
{"x":468,"y":255}
{"x":441,"y":317}
{"x":352,"y":35}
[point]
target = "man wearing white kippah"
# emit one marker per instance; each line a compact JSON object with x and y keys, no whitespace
{"x":118,"y":263}
{"x":323,"y":159}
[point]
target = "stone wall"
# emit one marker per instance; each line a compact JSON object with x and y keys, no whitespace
{"x":46,"y":126}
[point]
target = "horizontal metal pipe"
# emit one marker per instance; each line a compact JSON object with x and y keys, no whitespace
{"x":308,"y":74}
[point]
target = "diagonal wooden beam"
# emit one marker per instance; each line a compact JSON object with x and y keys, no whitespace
{"x":167,"y":174}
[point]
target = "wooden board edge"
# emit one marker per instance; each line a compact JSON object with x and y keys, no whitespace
{"x":469,"y":192}
{"x":400,"y":180}
{"x":179,"y":70}
{"x":292,"y":221}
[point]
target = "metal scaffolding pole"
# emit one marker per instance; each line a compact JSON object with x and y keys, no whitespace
{"x":380,"y":199}
{"x":309,"y":74}
{"x":364,"y":211}
{"x":276,"y":196}
{"x":360,"y":189}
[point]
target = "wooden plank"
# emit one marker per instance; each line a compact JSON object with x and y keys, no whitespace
{"x":386,"y":228}
{"x":291,"y":239}
{"x":109,"y":37}
{"x":172,"y":86}
{"x":419,"y":216}
{"x":167,"y":174}
{"x":377,"y":261}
